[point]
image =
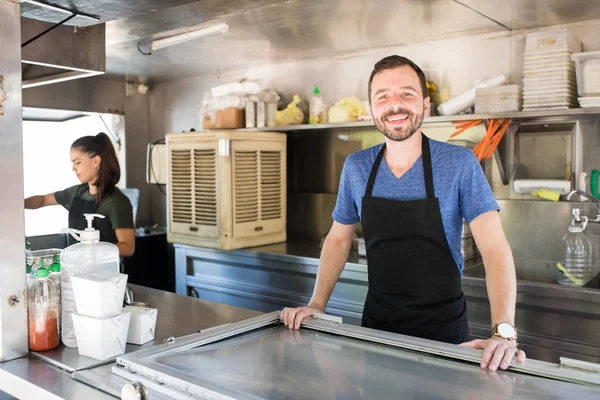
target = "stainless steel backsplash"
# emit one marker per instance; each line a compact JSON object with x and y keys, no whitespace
{"x":533,"y":227}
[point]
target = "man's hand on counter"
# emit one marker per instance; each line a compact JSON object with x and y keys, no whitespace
{"x":292,"y":317}
{"x":497,"y":352}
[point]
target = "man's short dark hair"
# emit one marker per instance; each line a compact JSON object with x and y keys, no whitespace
{"x":395,"y":61}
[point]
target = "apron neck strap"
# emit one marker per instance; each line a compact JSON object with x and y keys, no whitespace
{"x":427,"y":169}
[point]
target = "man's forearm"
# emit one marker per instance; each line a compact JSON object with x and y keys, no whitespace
{"x":501,"y":285}
{"x":333,"y":259}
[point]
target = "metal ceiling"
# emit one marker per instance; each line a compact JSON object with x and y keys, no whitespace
{"x":263,"y":32}
{"x":268,"y":31}
{"x":524,"y":14}
{"x":105,"y":10}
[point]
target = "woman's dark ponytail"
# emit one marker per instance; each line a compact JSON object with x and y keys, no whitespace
{"x":110,"y":171}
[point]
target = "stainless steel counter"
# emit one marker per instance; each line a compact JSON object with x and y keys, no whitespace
{"x":554,"y":321}
{"x":48,"y":375}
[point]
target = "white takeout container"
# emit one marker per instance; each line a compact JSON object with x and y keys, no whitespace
{"x":142,"y":325}
{"x":101,"y":339}
{"x":99,"y":294}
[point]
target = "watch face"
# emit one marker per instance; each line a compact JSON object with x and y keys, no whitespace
{"x":506,"y":330}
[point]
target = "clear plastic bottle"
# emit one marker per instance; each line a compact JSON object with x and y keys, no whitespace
{"x":43,"y":309}
{"x":28,"y":274}
{"x":90,"y":255}
{"x":54,"y":269}
{"x":28,"y":263}
{"x":578,"y":255}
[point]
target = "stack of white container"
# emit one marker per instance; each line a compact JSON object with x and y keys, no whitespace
{"x":587,"y":67}
{"x":100,"y":324}
{"x":548,"y":72}
{"x":469,"y":248}
{"x":498,"y":99}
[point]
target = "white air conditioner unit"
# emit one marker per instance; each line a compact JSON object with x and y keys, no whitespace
{"x":226,"y":189}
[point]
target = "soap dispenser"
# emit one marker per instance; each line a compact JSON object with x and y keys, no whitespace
{"x":91,"y":255}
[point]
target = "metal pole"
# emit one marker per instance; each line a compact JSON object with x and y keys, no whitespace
{"x":13,"y":311}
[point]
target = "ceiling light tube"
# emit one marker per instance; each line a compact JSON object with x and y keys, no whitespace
{"x":190,"y":35}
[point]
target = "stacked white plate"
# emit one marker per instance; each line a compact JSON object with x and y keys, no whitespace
{"x":587,"y":68}
{"x":548,"y":71}
{"x":589,"y":101}
{"x":469,"y":248}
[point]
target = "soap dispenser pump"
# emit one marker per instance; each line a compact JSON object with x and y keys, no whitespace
{"x":89,"y":235}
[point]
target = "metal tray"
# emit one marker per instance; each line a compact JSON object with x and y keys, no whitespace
{"x":261,"y":359}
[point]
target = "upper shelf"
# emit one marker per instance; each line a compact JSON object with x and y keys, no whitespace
{"x":520,"y":115}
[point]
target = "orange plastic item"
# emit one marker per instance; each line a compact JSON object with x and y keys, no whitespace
{"x":494,"y":133}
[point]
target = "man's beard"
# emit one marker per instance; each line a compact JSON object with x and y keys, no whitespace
{"x":402,"y":133}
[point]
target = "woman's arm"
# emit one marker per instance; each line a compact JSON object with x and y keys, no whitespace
{"x":35,"y":202}
{"x":125,"y":241}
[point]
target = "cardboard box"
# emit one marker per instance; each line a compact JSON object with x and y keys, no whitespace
{"x":99,"y":295}
{"x":142,"y":325}
{"x":101,"y":339}
{"x":230,"y":118}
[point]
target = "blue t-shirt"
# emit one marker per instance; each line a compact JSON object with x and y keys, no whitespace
{"x":458,"y":183}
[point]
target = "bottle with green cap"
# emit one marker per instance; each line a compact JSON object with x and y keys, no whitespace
{"x":316,"y":110}
{"x":28,"y":274}
{"x":28,"y":262}
{"x":54,"y":269}
{"x":43,"y":310}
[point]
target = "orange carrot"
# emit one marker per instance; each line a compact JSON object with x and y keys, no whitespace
{"x":498,"y":135}
{"x":464,"y":126}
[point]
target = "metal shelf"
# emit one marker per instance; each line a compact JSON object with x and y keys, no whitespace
{"x":518,"y":115}
{"x":313,"y":127}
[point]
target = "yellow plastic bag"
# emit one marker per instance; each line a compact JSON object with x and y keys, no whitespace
{"x":346,"y":110}
{"x":291,"y":115}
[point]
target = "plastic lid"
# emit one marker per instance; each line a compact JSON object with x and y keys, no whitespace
{"x":54,"y":267}
{"x":28,"y":268}
{"x":41,"y":272}
{"x":316,"y":92}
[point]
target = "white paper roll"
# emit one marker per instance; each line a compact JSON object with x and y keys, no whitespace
{"x":467,"y":98}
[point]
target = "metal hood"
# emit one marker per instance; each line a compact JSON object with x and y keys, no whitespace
{"x":62,"y":54}
{"x":75,"y":47}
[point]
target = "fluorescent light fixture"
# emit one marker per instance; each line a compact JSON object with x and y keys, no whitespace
{"x":190,"y":35}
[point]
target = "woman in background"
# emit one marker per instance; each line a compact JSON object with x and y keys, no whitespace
{"x":96,"y":165}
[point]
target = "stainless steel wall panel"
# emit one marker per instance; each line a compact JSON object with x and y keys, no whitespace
{"x":13,"y":318}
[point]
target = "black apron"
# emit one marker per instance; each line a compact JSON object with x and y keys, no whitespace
{"x":414,"y":282}
{"x":77,"y":221}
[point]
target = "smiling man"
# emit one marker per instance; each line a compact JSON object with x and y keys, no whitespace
{"x":411,"y":194}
